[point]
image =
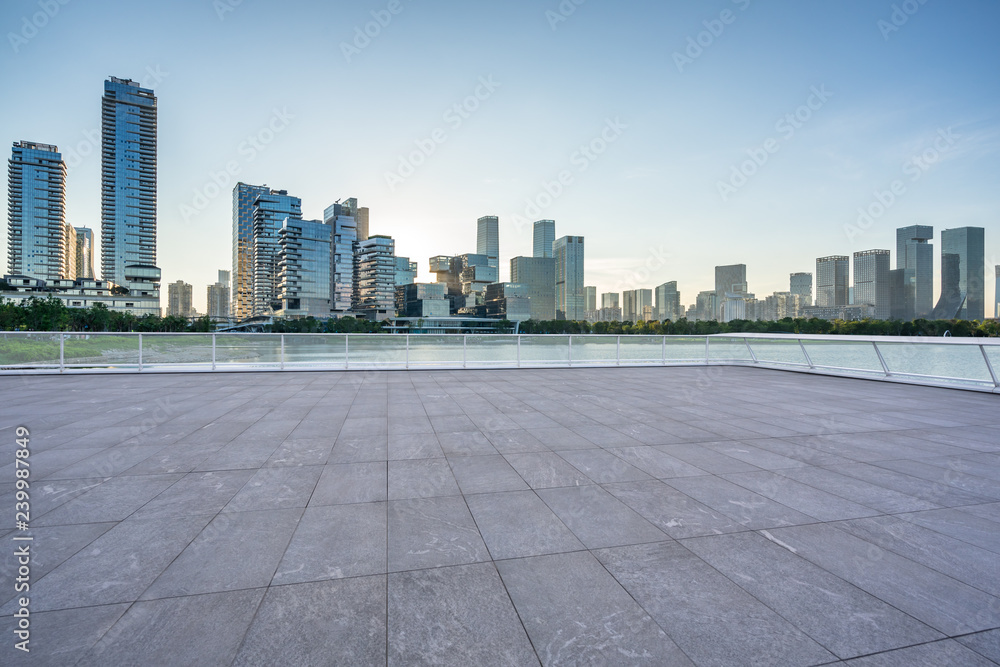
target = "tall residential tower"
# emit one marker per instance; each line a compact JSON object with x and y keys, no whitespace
{"x":36,"y":212}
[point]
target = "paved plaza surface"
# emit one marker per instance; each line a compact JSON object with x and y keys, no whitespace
{"x":661,"y":516}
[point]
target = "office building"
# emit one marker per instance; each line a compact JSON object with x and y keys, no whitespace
{"x":848,"y":313}
{"x":802,"y":285}
{"x":951,"y":301}
{"x":343,"y":220}
{"x":82,"y":293}
{"x":706,"y":306}
{"x":832,"y":279}
{"x":36,"y":213}
{"x":374,"y":277}
{"x":610,"y":308}
{"x":590,"y":312}
{"x":241,"y":290}
{"x":781,"y":305}
{"x":422,"y":300}
{"x":84,"y":253}
{"x":128,"y":179}
{"x":568,"y":252}
{"x":543,"y":236}
{"x":406,"y":271}
{"x":179,"y":299}
{"x":915,"y":255}
{"x":488,"y":239}
{"x":224,"y":277}
{"x":729,"y":279}
{"x":508,"y":301}
{"x":305,"y":269}
{"x":900,"y":308}
{"x":668,"y":302}
{"x":358,"y":213}
{"x":871,"y":281}
{"x":270,"y":211}
{"x":217,"y":300}
{"x":969,"y":246}
{"x":538,"y":275}
{"x":634,"y":302}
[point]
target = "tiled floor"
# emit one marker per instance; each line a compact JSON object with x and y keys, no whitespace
{"x":665,"y":516}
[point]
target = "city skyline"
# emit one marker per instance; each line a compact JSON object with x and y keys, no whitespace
{"x":925,"y":121}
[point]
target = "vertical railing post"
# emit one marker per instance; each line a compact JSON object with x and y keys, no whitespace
{"x":213,"y":350}
{"x":465,"y":340}
{"x":618,"y":351}
{"x":347,"y":351}
{"x":282,"y":351}
{"x":62,"y":352}
{"x":663,"y":351}
{"x":885,"y":366}
{"x":571,"y":349}
{"x":407,"y":350}
{"x":140,"y":352}
{"x":753,"y":357}
{"x":518,"y":350}
{"x":706,"y":350}
{"x":989,"y":366}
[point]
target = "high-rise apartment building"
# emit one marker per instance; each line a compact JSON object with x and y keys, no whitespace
{"x":217,"y":299}
{"x":128,"y":180}
{"x":375,"y":273}
{"x":269,"y":214}
{"x":241,"y":294}
{"x":305,"y":269}
{"x":488,"y":239}
{"x":224,"y":277}
{"x":610,"y":308}
{"x":801,"y":284}
{"x":179,"y":299}
{"x":538,"y":275}
{"x":36,"y":212}
{"x":543,"y":236}
{"x":84,"y":253}
{"x":969,"y":245}
{"x":871,"y":281}
{"x":569,"y":256}
{"x":915,"y":255}
{"x":360,"y":215}
{"x":668,"y":302}
{"x":634,"y":302}
{"x":832,"y":280}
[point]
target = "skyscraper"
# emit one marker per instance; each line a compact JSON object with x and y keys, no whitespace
{"x":305,"y":269}
{"x":538,"y":275}
{"x":730,"y":279}
{"x":996,"y":294}
{"x":668,"y":302}
{"x":241,"y":297}
{"x":871,"y":281}
{"x":128,"y":179}
{"x":802,"y":285}
{"x":634,"y":301}
{"x":590,"y":299}
{"x":568,"y":253}
{"x":267,"y":212}
{"x":36,"y":212}
{"x":968,"y":243}
{"x":488,"y":239}
{"x":543,"y":236}
{"x":217,"y":299}
{"x":84,"y":253}
{"x":915,"y":255}
{"x":952,"y":299}
{"x":345,"y":238}
{"x":832,"y":279}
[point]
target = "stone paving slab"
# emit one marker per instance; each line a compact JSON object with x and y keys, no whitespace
{"x":663,"y":516}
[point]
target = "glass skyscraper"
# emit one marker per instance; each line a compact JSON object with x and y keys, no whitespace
{"x":128,"y":179}
{"x":375,"y":273}
{"x":832,"y":279}
{"x":305,"y":268}
{"x":729,"y":279}
{"x":241,"y":298}
{"x":346,"y":234}
{"x":915,"y":256}
{"x":802,"y":285}
{"x":488,"y":239}
{"x":568,"y":253}
{"x":84,"y":253}
{"x":538,"y":275}
{"x":543,"y":236}
{"x":36,"y":222}
{"x":871,"y":281}
{"x":668,"y":302}
{"x":269,"y":211}
{"x":968,"y":243}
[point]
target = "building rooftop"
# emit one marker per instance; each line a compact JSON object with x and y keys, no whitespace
{"x":708,"y":516}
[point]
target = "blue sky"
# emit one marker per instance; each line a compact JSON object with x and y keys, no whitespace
{"x":877,"y":93}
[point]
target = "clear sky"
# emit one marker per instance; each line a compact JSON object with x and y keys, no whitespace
{"x":673,"y":99}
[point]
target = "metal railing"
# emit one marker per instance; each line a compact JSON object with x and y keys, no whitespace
{"x":969,"y":363}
